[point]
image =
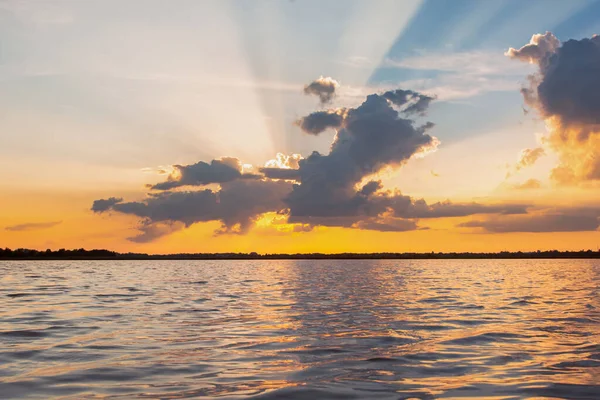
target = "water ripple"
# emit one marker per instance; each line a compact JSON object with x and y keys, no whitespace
{"x":300,"y":329}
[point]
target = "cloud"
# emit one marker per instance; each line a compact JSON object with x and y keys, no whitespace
{"x":283,"y":166}
{"x":529,"y":157}
{"x":415,"y":103}
{"x":566,"y":93}
{"x":320,"y":121}
{"x":32,"y":226}
{"x":390,"y":225}
{"x":105,"y":204}
{"x":285,"y":161}
{"x":370,"y":187}
{"x":236,"y":205}
{"x":574,"y":220}
{"x":151,"y":231}
{"x":225,"y":169}
{"x":337,"y":189}
{"x":382,"y":223}
{"x":324,"y":88}
{"x":539,"y":48}
{"x":280,"y":173}
{"x":528,"y":185}
{"x":368,"y":208}
{"x":447,"y":209}
{"x":370,"y":137}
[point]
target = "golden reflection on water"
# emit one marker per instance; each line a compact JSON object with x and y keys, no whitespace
{"x":384,"y":329}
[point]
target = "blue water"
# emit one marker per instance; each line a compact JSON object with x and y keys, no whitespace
{"x":507,"y":329}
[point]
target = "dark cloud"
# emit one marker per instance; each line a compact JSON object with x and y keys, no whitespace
{"x":151,"y":231}
{"x":570,"y":86}
{"x":420,"y":209}
{"x":370,"y":187}
{"x":32,"y":226}
{"x":280,"y":173}
{"x":412,"y":102}
{"x":388,"y":225}
{"x":324,"y":88}
{"x":105,"y":204}
{"x":566,"y":92}
{"x":391,"y":211}
{"x":381,"y":223}
{"x":330,"y":221}
{"x":371,"y":137}
{"x":236,"y":205}
{"x":226,"y":169}
{"x":548,"y":221}
{"x":320,"y":121}
{"x":335,"y":189}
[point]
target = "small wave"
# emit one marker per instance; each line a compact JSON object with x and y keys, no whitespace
{"x":381,"y":360}
{"x":523,"y":303}
{"x":485,"y":338}
{"x":25,"y":333}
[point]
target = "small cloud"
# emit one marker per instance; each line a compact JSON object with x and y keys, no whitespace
{"x":155,"y":230}
{"x":556,"y":220}
{"x":319,"y":121}
{"x":539,"y":48}
{"x":159,"y":170}
{"x":527,"y":158}
{"x":528,"y":185}
{"x":102,"y":205}
{"x":32,"y":226}
{"x":323,"y":87}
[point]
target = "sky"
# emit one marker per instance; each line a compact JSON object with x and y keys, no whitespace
{"x":300,"y":125}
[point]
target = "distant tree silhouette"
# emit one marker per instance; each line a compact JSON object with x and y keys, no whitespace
{"x":99,"y":254}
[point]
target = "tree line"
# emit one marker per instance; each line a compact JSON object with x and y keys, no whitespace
{"x":100,"y":254}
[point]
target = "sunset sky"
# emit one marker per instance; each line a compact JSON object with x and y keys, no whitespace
{"x":300,"y":125}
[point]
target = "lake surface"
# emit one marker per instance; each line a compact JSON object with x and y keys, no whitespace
{"x":300,"y":329}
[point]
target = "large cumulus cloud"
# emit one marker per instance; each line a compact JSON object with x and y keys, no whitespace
{"x":337,"y":189}
{"x":566,"y":93}
{"x":370,"y":137}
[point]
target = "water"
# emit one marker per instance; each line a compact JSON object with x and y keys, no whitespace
{"x":300,"y":329}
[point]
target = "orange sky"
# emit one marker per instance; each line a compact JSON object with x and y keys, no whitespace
{"x":79,"y":227}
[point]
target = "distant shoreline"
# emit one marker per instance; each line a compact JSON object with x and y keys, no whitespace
{"x":81,"y":254}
